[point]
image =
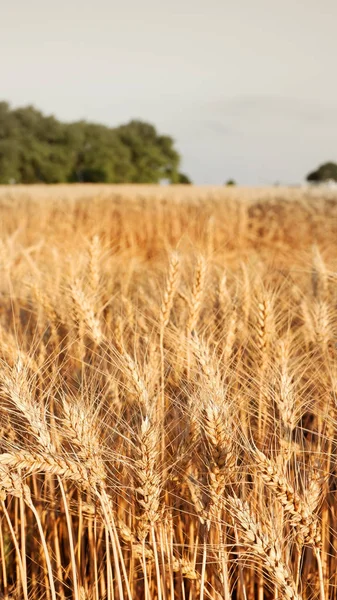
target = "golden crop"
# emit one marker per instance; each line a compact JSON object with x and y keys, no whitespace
{"x":168,"y":381}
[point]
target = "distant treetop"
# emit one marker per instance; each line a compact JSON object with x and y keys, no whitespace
{"x":38,"y":148}
{"x":326,"y":172}
{"x":182,"y":178}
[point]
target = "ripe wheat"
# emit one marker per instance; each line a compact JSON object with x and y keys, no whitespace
{"x":168,"y":393}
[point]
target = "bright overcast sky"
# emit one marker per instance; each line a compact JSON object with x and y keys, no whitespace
{"x":247,"y":88}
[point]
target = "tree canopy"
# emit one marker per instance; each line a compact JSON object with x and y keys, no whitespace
{"x":326,"y":172}
{"x":38,"y":148}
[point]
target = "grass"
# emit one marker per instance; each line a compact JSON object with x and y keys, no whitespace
{"x":168,"y":393}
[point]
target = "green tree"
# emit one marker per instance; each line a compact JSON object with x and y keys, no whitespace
{"x":42,"y":145}
{"x":182,"y":178}
{"x":9,"y":146}
{"x":153,"y":156}
{"x":101,"y":156}
{"x":326,"y":172}
{"x":9,"y":161}
{"x":39,"y":148}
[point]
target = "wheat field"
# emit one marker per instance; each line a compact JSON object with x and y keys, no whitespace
{"x":168,"y":391}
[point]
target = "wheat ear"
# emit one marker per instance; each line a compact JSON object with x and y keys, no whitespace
{"x":299,"y":512}
{"x":264,"y":545}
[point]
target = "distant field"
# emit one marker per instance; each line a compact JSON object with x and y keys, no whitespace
{"x":168,"y":384}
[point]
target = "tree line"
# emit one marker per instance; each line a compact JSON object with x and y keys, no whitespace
{"x":325,"y":172}
{"x":35,"y":148}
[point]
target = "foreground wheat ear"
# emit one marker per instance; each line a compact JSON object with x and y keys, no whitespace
{"x":168,"y":396}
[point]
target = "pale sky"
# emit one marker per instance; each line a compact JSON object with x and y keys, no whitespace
{"x":247,"y":88}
